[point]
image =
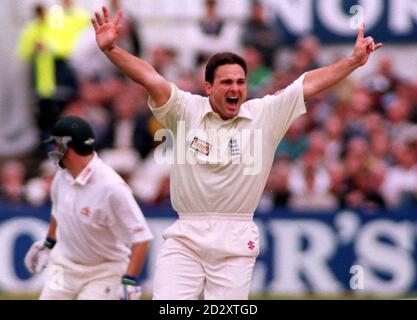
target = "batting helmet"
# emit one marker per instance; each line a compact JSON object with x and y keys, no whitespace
{"x":73,"y":132}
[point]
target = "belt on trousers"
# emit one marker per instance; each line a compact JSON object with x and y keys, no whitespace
{"x":217,"y":216}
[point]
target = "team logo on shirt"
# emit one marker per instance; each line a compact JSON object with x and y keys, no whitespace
{"x":86,"y":212}
{"x":138,"y":230}
{"x":200,"y":146}
{"x":251,"y":245}
{"x":234,"y":147}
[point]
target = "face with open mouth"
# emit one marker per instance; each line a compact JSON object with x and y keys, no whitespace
{"x":228,"y":90}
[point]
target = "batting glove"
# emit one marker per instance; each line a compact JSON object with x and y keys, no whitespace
{"x":129,"y":289}
{"x":37,"y":257}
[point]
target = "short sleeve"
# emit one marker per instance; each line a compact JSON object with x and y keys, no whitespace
{"x":126,"y":218}
{"x":284,"y":107}
{"x":173,"y":110}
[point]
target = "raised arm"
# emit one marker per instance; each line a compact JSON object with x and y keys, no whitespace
{"x":321,"y":79}
{"x":140,"y":71}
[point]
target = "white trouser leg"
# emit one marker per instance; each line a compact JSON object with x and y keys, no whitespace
{"x":67,"y":280}
{"x":211,"y":255}
{"x":229,"y":280}
{"x":179,"y":274}
{"x":61,"y":284}
{"x":104,"y":282}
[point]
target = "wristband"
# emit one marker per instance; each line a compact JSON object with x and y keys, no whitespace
{"x":49,"y":243}
{"x":129,"y":280}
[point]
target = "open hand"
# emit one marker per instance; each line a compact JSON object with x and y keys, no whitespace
{"x":107,"y":31}
{"x":364,"y":47}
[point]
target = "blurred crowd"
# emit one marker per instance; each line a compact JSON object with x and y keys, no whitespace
{"x":355,"y":148}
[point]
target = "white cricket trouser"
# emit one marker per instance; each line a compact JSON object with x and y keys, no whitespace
{"x":208,"y":256}
{"x":67,"y":280}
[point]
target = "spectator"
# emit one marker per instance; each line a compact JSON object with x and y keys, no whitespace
{"x":277,"y":188}
{"x":380,"y":145}
{"x":131,"y":39}
{"x":310,"y":46}
{"x":317,"y":142}
{"x":34,"y":45}
{"x":295,"y":142}
{"x":213,"y":33}
{"x":262,"y":33}
{"x":398,"y":112}
{"x":164,"y":60}
{"x":334,"y":128}
{"x":310,"y":186}
{"x":400,"y":179}
{"x":211,"y":24}
{"x":384,"y":80}
{"x":12,"y":182}
{"x":88,"y":60}
{"x":338,"y":181}
{"x":299,"y":63}
{"x":128,"y":128}
{"x":67,"y":23}
{"x":359,"y":106}
{"x":364,"y":192}
{"x":47,"y":43}
{"x":130,"y":135}
{"x":150,"y":180}
{"x":37,"y":189}
{"x":258,"y":74}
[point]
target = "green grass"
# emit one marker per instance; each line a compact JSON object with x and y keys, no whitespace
{"x":10,"y":296}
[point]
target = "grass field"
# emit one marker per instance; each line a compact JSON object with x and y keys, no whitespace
{"x":9,"y":296}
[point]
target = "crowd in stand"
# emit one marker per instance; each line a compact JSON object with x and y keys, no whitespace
{"x":355,"y":148}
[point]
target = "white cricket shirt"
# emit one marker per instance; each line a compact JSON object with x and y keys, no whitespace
{"x":98,"y":218}
{"x":225,"y":172}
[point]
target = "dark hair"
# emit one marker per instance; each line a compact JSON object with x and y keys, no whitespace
{"x":39,"y":10}
{"x":220,"y":59}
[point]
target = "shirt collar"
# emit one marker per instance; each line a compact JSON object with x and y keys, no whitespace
{"x":243,"y":112}
{"x":86,"y":174}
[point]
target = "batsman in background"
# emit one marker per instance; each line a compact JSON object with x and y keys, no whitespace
{"x":211,"y":250}
{"x":98,"y":237}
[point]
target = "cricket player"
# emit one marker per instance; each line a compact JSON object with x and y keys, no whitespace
{"x":210,"y":251}
{"x":98,"y":237}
